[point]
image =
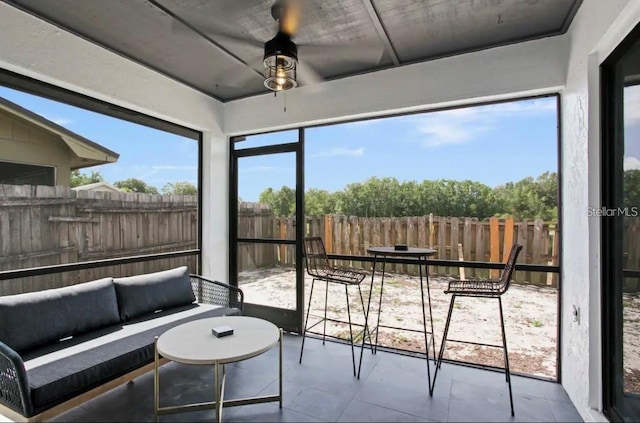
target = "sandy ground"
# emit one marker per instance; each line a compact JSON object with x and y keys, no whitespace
{"x":530,"y":316}
{"x":631,"y":330}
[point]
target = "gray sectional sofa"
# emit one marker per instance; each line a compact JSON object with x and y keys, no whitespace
{"x":59,"y":346}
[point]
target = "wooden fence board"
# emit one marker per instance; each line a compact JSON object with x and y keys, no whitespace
{"x":467,"y":236}
{"x":442,"y":242}
{"x":480,"y":249}
{"x":494,"y":244}
{"x":523,"y":232}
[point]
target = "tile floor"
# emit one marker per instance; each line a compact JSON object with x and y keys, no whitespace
{"x":392,"y":388}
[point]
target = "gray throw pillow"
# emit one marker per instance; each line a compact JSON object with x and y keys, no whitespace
{"x":144,"y":294}
{"x":40,"y":318}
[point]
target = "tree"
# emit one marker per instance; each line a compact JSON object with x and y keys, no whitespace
{"x":281,"y":202}
{"x":386,"y":197}
{"x":318,"y":202}
{"x":631,"y":187}
{"x":78,"y":179}
{"x":136,"y":185}
{"x":180,"y":188}
{"x":530,"y":198}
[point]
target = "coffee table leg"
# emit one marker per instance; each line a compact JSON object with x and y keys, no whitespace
{"x":280,"y":374}
{"x":219,"y":381}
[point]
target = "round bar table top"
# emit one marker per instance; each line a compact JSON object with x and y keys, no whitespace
{"x":411,"y":252}
{"x":193,"y":342}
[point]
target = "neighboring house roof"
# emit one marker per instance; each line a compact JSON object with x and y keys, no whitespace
{"x":98,"y":186}
{"x":87,"y":153}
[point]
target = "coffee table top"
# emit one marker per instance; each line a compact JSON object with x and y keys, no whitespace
{"x":193,"y":342}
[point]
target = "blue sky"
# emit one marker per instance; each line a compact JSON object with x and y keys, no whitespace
{"x":154,"y":156}
{"x":492,"y":144}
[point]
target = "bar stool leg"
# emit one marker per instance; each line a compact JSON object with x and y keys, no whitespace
{"x":375,"y":348}
{"x":306,"y":321}
{"x":444,"y":341}
{"x":433,"y":339}
{"x":326,"y":299}
{"x":366,"y":315}
{"x":506,"y":356}
{"x":353,"y":353}
{"x":365,"y":332}
{"x":424,"y":327}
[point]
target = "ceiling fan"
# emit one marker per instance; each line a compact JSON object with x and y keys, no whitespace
{"x":283,"y":63}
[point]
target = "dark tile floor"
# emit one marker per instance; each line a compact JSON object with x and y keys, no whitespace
{"x":392,"y":388}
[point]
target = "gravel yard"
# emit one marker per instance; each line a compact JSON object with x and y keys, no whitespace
{"x":530,"y":316}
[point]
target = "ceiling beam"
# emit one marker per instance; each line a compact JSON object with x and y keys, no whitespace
{"x":219,"y":46}
{"x":377,"y":23}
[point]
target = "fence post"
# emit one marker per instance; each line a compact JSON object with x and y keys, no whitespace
{"x":508,"y":238}
{"x":431,"y":231}
{"x":283,"y":235}
{"x":461,"y":258}
{"x":328,"y":233}
{"x":494,"y":244}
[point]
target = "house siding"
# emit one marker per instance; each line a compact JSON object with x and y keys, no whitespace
{"x":22,"y":142}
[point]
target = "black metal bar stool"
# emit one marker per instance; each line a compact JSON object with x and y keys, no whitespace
{"x":320,"y":269}
{"x":483,"y":289}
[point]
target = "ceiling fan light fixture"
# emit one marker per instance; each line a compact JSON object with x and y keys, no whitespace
{"x":280,"y":63}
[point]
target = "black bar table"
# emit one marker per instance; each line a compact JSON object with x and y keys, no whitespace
{"x":420,"y":254}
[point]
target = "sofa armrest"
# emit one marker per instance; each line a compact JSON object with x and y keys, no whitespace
{"x":14,"y":387}
{"x":208,"y":291}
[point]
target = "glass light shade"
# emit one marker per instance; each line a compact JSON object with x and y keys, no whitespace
{"x":280,"y":72}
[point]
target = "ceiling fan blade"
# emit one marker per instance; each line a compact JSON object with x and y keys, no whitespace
{"x":290,"y":12}
{"x":307,"y":75}
{"x":239,"y":77}
{"x":216,"y":31}
{"x":364,"y":53}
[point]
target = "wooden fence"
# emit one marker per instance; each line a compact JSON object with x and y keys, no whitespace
{"x":42,"y":226}
{"x":454,"y":238}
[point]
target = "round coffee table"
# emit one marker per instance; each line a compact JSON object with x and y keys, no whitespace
{"x":193,"y":343}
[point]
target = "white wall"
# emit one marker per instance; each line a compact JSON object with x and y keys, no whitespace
{"x":529,"y":68}
{"x":39,"y":50}
{"x":595,"y":31}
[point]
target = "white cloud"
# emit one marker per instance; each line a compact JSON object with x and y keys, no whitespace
{"x":631,"y":163}
{"x":459,"y":126}
{"x":341,"y":151}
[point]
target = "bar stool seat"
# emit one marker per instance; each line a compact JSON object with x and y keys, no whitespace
{"x":319,"y":267}
{"x":484,"y":289}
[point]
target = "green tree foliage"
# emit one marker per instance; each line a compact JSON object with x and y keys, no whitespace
{"x":631,"y":185}
{"x":282,"y":202}
{"x":78,"y":179}
{"x":530,"y":198}
{"x":136,"y":185}
{"x":387,"y":197}
{"x":180,"y":188}
{"x":319,"y":202}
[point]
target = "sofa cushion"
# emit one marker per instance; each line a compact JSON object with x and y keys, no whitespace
{"x":38,"y":318}
{"x":58,"y":373}
{"x":144,"y":294}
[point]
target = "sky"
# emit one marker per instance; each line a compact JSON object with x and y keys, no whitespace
{"x":492,"y":144}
